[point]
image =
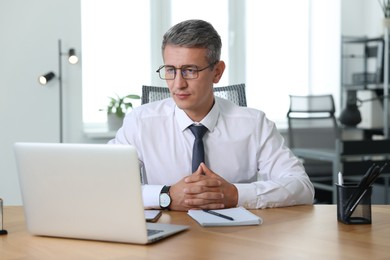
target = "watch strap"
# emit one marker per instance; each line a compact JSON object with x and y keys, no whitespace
{"x":165,"y":189}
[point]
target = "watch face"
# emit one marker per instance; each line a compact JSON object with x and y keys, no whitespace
{"x":165,"y":200}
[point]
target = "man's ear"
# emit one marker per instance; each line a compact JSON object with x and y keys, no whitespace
{"x":219,"y":69}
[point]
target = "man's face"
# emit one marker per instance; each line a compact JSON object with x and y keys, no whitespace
{"x":194,"y":96}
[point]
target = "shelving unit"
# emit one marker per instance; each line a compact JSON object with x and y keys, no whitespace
{"x":363,"y":66}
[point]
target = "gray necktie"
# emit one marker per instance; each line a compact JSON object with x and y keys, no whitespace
{"x":198,"y":149}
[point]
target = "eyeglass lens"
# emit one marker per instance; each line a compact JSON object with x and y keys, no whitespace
{"x":187,"y":72}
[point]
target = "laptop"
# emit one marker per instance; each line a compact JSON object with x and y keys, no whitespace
{"x":85,"y":191}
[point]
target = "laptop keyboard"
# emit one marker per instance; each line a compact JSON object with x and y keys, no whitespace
{"x":153,"y":231}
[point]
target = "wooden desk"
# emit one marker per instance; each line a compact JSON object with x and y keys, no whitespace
{"x":301,"y":232}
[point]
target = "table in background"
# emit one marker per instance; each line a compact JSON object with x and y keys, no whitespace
{"x":299,"y":232}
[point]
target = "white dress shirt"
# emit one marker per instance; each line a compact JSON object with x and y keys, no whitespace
{"x":242,"y":146}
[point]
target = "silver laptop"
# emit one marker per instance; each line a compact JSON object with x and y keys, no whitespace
{"x":85,"y":191}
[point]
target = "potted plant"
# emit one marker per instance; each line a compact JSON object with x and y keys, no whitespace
{"x":117,"y":109}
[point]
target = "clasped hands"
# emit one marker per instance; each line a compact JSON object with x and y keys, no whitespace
{"x":204,"y":189}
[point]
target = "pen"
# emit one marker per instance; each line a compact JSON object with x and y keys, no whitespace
{"x":341,"y":181}
{"x":357,"y":202}
{"x":368,"y":185}
{"x":363,"y":185}
{"x":368,"y":180}
{"x":217,"y":214}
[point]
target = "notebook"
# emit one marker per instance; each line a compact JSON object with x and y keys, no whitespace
{"x":238,"y":216}
{"x":85,"y":191}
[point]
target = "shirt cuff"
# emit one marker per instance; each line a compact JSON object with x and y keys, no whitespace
{"x":247,"y":196}
{"x":151,"y":195}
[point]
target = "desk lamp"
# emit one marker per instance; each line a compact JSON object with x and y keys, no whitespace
{"x":351,"y":116}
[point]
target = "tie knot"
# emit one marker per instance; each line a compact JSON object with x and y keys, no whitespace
{"x":198,"y":130}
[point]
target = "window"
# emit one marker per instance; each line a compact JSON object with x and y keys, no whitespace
{"x":276,"y":48}
{"x":115,"y":52}
{"x":293,"y":48}
{"x":278,"y":62}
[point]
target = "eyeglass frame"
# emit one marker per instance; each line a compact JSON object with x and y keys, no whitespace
{"x":181,"y":69}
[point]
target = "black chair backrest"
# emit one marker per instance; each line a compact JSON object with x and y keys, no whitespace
{"x":234,"y":93}
{"x":153,"y":93}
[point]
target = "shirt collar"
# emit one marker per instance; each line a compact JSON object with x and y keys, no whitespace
{"x":209,"y":121}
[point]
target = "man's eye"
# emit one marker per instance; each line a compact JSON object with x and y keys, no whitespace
{"x":189,"y":70}
{"x":169,"y":70}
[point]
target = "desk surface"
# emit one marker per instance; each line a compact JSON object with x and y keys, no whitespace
{"x":300,"y":232}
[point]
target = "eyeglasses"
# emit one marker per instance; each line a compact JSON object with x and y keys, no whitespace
{"x":168,"y":72}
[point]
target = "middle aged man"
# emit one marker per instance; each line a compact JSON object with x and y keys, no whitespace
{"x":246,"y":162}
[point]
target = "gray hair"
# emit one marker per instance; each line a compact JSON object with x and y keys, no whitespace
{"x":195,"y":34}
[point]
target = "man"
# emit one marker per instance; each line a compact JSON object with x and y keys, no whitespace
{"x":246,"y":162}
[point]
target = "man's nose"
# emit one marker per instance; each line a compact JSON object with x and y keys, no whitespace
{"x":179,"y":81}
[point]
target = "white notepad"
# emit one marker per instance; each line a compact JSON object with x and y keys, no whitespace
{"x":241,"y":217}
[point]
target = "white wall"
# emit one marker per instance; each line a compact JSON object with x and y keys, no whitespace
{"x":28,"y":111}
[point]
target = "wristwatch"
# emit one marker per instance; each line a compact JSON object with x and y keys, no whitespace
{"x":165,"y":199}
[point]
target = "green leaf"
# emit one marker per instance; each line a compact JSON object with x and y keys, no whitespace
{"x":119,"y":106}
{"x":132,"y":96}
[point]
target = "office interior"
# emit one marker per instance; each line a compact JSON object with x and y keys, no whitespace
{"x":29,"y":112}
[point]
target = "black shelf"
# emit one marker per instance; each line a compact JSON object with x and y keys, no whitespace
{"x":360,"y":39}
{"x":362,"y":68}
{"x":362,"y":86}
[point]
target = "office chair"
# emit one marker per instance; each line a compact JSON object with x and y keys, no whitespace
{"x":313,"y":129}
{"x":234,"y":93}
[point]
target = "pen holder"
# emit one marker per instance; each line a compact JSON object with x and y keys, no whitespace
{"x":361,"y":213}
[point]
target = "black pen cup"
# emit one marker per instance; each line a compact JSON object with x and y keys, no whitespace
{"x":352,"y":209}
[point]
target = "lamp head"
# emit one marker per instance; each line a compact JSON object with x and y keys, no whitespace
{"x":72,"y":58}
{"x":43,"y":80}
{"x":350,"y":116}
